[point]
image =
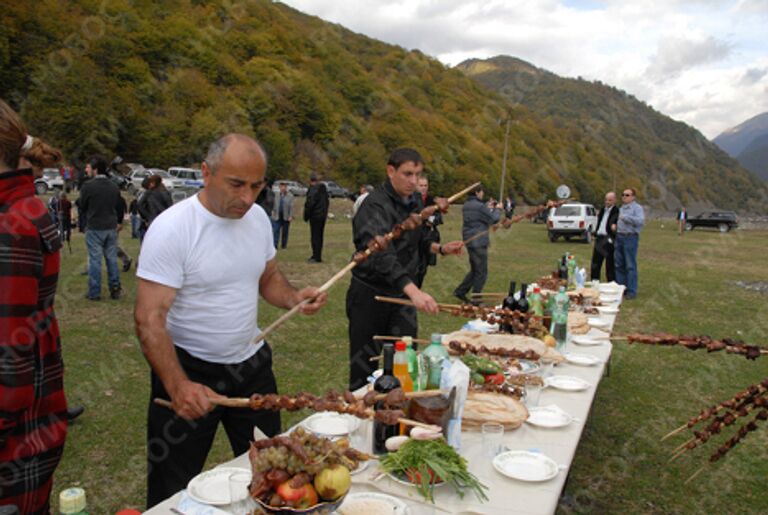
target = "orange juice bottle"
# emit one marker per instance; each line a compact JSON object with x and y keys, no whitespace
{"x":400,"y":371}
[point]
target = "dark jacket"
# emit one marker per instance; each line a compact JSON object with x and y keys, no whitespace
{"x":429,"y":233}
{"x":266,"y":199}
{"x":477,"y":218}
{"x":152,"y":203}
{"x":391,"y":270}
{"x":101,"y":204}
{"x":316,"y":205}
{"x":613,"y":218}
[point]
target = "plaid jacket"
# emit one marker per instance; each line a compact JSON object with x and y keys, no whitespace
{"x":33,"y":419}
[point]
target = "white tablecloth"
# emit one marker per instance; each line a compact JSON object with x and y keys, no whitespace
{"x":506,"y":496}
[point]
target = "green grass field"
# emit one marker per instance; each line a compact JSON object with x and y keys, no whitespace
{"x":620,"y":466}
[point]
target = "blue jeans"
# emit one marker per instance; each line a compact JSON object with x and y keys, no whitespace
{"x":277,"y":227}
{"x":135,"y":224}
{"x":101,"y":243}
{"x":625,"y":261}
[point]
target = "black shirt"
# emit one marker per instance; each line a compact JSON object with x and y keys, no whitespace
{"x":101,"y":204}
{"x":391,"y":270}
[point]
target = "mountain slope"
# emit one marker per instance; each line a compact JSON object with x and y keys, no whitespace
{"x":668,"y":161}
{"x":736,"y":139}
{"x":755,"y":157}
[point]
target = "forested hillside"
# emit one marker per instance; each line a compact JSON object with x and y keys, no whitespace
{"x":156,"y":81}
{"x":670,"y":161}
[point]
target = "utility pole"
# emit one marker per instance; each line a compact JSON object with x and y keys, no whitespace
{"x":504,"y":162}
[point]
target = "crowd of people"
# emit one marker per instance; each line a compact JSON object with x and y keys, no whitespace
{"x":204,"y":263}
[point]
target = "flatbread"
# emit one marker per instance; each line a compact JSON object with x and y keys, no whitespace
{"x":578,"y":323}
{"x":482,"y":407}
{"x":506,"y":341}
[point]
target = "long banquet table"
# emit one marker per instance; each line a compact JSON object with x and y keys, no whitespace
{"x":506,"y":496}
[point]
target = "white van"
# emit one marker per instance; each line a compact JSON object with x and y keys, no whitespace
{"x":574,"y":219}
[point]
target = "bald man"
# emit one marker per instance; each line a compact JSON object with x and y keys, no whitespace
{"x":203,"y":264}
{"x":605,"y":238}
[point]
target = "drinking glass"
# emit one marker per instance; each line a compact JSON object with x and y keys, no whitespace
{"x":239,"y":498}
{"x":493,"y":436}
{"x":532,"y":394}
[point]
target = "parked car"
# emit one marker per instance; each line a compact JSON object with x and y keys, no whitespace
{"x":295,"y":188}
{"x":51,"y":179}
{"x":571,"y":220}
{"x":191,"y":177}
{"x":724,"y":221}
{"x":336,"y":191}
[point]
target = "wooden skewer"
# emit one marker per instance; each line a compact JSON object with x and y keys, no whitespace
{"x":488,"y":294}
{"x":693,"y":476}
{"x":238,"y":403}
{"x":333,"y":280}
{"x":395,"y":338}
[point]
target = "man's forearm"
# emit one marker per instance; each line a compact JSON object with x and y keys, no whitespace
{"x":157,"y":346}
{"x":276,"y":290}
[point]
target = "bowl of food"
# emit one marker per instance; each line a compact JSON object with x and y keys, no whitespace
{"x":301,"y":473}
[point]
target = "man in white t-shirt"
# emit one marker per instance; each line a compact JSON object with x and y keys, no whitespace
{"x":203,"y":264}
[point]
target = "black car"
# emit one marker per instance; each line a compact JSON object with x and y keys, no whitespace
{"x":723,"y":221}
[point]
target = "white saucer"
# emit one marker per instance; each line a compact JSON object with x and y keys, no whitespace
{"x":526,"y":466}
{"x":584,"y":360}
{"x":566,"y":383}
{"x":551,"y":416}
{"x":587,"y":340}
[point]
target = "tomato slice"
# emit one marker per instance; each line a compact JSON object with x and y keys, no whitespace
{"x":497,"y":379}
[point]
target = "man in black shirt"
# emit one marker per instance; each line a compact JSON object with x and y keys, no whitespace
{"x":316,"y":212}
{"x":103,"y":209}
{"x":429,"y":231}
{"x":391,"y":272}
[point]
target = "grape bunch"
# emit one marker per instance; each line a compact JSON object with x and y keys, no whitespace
{"x":277,"y":458}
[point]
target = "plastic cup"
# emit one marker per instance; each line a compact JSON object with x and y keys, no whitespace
{"x":493,"y":436}
{"x":239,"y":498}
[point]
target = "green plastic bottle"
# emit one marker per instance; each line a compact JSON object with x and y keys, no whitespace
{"x":434,"y":357}
{"x":536,"y":304}
{"x":559,"y":328}
{"x":571,"y":264}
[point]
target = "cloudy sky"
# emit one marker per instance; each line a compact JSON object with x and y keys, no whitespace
{"x":704,"y":62}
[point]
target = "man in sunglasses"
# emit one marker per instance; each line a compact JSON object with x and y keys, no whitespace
{"x":631,"y":221}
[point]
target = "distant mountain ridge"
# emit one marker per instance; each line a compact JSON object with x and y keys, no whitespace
{"x":671,"y":163}
{"x":748,"y":143}
{"x":736,"y":139}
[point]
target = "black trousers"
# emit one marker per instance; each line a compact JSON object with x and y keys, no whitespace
{"x":317,"y":227}
{"x":603,"y":251}
{"x":478,"y":272}
{"x":177,"y":448}
{"x":368,"y":317}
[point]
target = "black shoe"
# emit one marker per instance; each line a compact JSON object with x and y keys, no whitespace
{"x":127,"y":264}
{"x":116,"y":293}
{"x":74,"y":411}
{"x":462,"y":298}
{"x":97,"y":297}
{"x":313,"y":260}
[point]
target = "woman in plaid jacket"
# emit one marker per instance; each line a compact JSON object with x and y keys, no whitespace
{"x":33,"y":409}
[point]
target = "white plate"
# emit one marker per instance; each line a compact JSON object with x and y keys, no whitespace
{"x":525,"y":466}
{"x":548,"y":416}
{"x":608,"y":310}
{"x":610,"y":289}
{"x":527,"y":367}
{"x":587,"y":340}
{"x":212,"y":486}
{"x":371,"y":503}
{"x":361,"y":466}
{"x":609,"y":298}
{"x":581,"y":359}
{"x":567,"y":383}
{"x":329,"y":423}
{"x":599,"y":323}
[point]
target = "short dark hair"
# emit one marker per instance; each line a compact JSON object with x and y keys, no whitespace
{"x":478,"y":189}
{"x":404,"y":155}
{"x":98,"y":163}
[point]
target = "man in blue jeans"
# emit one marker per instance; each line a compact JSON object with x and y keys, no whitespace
{"x":103,"y":209}
{"x":631,"y":221}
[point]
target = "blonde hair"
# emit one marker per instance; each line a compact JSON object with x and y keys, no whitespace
{"x":14,"y":145}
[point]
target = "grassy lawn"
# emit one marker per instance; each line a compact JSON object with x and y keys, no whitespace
{"x":620,"y":466}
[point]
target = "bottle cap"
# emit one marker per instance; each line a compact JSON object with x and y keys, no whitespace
{"x":71,"y":500}
{"x":536,"y":289}
{"x":436,"y":337}
{"x":400,"y":346}
{"x":408,"y":340}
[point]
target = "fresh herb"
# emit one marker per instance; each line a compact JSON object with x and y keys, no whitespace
{"x":425,"y":462}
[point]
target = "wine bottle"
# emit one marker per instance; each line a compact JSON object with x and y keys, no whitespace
{"x":385,"y":384}
{"x":522,"y":302}
{"x":509,"y":301}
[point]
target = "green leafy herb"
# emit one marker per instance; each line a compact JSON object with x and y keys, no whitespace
{"x":425,"y":462}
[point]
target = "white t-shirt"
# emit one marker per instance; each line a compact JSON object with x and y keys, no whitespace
{"x":215,"y":265}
